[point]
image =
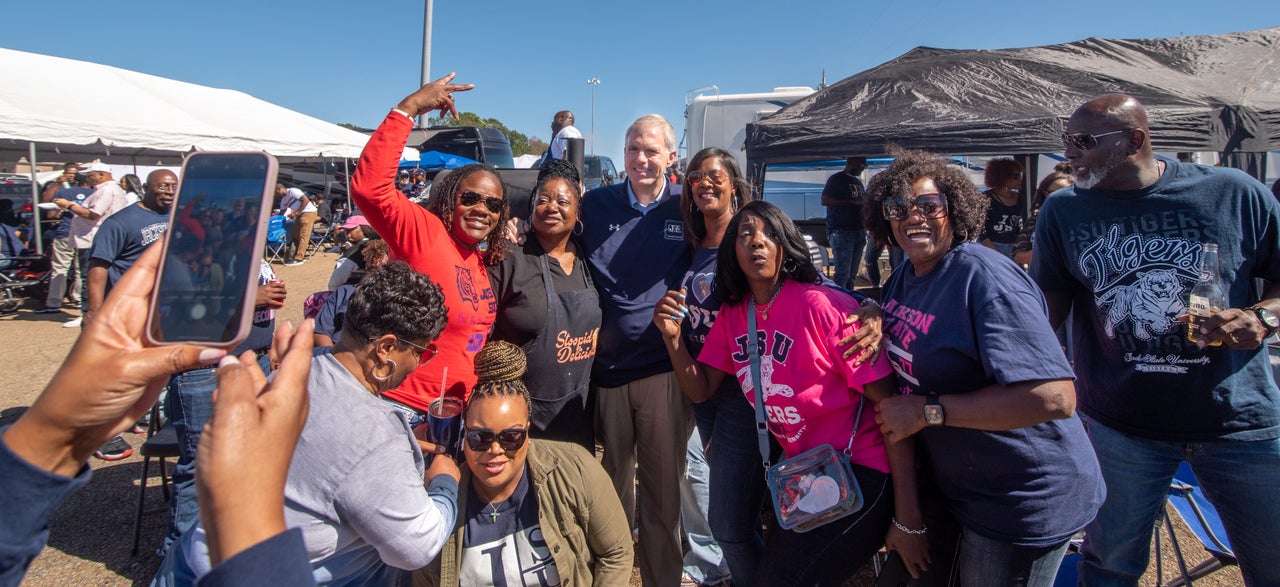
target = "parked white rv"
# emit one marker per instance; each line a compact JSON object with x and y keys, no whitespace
{"x":720,"y":120}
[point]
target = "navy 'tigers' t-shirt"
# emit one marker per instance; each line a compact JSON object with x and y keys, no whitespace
{"x":503,"y":543}
{"x":976,"y":320}
{"x":1129,"y":259}
{"x":123,"y":237}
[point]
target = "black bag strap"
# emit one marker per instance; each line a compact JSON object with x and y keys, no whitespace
{"x":757,"y":384}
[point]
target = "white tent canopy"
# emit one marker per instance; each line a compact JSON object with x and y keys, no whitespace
{"x":100,"y":112}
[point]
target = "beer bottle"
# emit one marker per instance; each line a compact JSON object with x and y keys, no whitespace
{"x":1207,"y":297}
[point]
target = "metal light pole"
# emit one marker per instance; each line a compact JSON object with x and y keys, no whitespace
{"x":426,"y":55}
{"x":593,"y":82}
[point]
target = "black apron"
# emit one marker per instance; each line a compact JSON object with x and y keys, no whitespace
{"x":560,"y":357}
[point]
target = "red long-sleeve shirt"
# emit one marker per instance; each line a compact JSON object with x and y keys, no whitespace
{"x":421,"y":239}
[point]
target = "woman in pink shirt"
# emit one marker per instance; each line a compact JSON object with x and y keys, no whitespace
{"x":812,"y":394}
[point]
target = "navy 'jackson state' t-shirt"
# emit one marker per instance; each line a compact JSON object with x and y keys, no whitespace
{"x":1129,"y":260}
{"x":123,"y":237}
{"x":976,"y":320}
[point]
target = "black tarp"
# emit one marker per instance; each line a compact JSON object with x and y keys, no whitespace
{"x":1202,"y":93}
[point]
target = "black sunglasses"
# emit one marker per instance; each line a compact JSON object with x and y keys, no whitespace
{"x":928,"y":205}
{"x":481,"y":439}
{"x":1085,"y":141}
{"x":470,"y":199}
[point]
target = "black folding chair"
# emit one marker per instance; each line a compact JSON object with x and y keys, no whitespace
{"x":162,"y":443}
{"x":1202,"y":518}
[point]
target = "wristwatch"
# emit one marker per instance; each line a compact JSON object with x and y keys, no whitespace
{"x":934,"y":415}
{"x":1268,"y":318}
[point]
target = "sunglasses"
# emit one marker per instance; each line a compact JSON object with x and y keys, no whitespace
{"x":1085,"y":141}
{"x":928,"y":205}
{"x":482,"y":439}
{"x":716,"y":176}
{"x":470,"y":199}
{"x":426,"y":353}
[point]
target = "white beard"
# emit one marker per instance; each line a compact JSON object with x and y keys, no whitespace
{"x":1097,"y":174}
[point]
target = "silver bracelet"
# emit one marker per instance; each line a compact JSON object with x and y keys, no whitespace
{"x":898,"y":525}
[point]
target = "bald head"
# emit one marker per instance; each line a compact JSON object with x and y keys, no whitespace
{"x":1119,"y":110}
{"x":1113,"y":146}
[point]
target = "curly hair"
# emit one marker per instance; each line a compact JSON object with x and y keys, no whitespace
{"x":558,"y":169}
{"x":375,"y":253}
{"x":731,"y":282}
{"x":394,"y":299}
{"x":999,"y":171}
{"x":499,"y":368}
{"x":444,"y":198}
{"x":742,"y":192}
{"x":966,"y":206}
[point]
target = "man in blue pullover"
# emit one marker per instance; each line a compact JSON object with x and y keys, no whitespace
{"x":636,"y":249}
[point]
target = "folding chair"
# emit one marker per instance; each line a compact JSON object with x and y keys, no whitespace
{"x":161,"y":444}
{"x":1202,"y":518}
{"x":277,"y":239}
{"x":322,"y":238}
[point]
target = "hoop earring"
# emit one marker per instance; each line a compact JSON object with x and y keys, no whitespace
{"x":577,"y":228}
{"x":789,"y":266}
{"x":383,"y":379}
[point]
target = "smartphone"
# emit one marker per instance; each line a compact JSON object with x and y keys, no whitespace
{"x":208,"y":277}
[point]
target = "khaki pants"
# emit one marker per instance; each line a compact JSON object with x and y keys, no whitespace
{"x":62,"y":258}
{"x":648,"y":421}
{"x":302,"y":234}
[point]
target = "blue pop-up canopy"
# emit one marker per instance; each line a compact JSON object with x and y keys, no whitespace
{"x":437,"y":160}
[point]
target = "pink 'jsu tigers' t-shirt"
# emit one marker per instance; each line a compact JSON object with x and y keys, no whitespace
{"x":811,"y":392}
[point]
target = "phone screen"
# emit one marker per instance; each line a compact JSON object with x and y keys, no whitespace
{"x":205,"y":290}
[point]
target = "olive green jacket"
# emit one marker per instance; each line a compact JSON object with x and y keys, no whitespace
{"x":580,"y":514}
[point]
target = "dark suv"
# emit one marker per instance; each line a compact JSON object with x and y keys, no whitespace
{"x":597,"y":171}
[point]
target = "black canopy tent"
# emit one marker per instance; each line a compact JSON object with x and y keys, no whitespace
{"x":1202,"y":93}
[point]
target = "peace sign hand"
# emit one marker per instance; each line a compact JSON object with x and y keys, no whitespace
{"x":437,"y":95}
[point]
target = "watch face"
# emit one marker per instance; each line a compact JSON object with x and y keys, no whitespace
{"x":933,"y":415}
{"x":1268,"y":318}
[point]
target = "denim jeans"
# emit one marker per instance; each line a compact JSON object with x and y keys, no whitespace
{"x":873,"y":261}
{"x":984,"y":561}
{"x":832,"y":553}
{"x":82,"y":267}
{"x":190,"y":405}
{"x":704,"y":561}
{"x":737,"y":493}
{"x":1240,"y":479}
{"x":846,"y":253}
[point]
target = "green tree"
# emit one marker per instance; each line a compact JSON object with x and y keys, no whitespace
{"x":520,"y":143}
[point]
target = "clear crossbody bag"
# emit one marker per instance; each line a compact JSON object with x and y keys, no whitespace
{"x":814,"y":487}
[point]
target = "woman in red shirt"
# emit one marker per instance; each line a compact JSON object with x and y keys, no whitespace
{"x":451,"y":240}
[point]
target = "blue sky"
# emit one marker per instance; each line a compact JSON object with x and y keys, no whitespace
{"x":351,"y":61}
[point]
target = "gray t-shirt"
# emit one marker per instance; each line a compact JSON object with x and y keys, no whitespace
{"x":355,"y":487}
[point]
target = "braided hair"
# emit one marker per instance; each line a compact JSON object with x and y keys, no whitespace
{"x":444,"y":197}
{"x":499,"y":367}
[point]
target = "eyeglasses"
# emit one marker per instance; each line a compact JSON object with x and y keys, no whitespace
{"x":425,"y":354}
{"x":928,"y":205}
{"x":482,"y":439}
{"x":1085,"y":141}
{"x":163,"y":187}
{"x":559,"y":200}
{"x":715,"y":175}
{"x":470,"y":199}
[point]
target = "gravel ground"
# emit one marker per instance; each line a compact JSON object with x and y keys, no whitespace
{"x":91,"y":533}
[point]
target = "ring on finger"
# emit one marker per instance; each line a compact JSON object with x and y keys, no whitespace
{"x":1234,"y":338}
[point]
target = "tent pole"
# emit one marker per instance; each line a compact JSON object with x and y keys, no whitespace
{"x":35,"y":201}
{"x":346,"y":172}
